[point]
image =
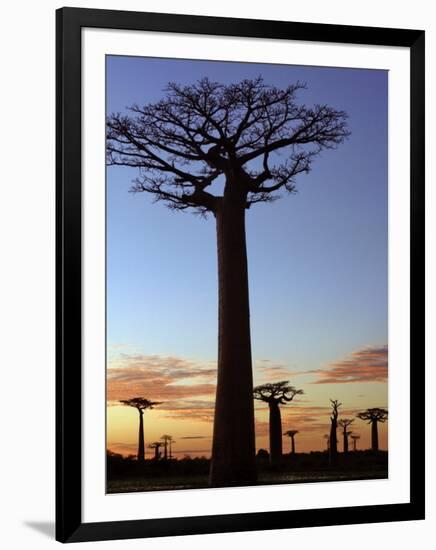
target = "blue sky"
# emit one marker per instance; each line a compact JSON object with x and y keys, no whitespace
{"x":317,"y":259}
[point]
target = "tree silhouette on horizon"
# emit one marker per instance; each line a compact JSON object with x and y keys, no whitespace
{"x":373,"y":417}
{"x":166,"y":439}
{"x":171,"y":441}
{"x":140,"y":404}
{"x":206,"y":136}
{"x":333,"y":448}
{"x":156,"y":445}
{"x":344,"y":423}
{"x":292,"y":434}
{"x":355,"y":438}
{"x":275,"y":394}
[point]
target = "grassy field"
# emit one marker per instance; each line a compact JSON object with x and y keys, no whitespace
{"x":265,"y":478}
{"x":126,"y":477}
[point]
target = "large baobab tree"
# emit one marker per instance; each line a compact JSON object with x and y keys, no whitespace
{"x":292,"y":434}
{"x":355,"y":438}
{"x":333,"y":449}
{"x":209,"y":136}
{"x":166,"y":439}
{"x":275,"y":394}
{"x":140,"y":404}
{"x":344,"y":423}
{"x":373,"y":417}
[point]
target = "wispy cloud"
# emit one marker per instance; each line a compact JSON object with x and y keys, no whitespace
{"x":365,"y":365}
{"x":195,"y":437}
{"x":159,"y":378}
{"x":267,"y":370}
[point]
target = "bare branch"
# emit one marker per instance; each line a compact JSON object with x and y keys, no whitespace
{"x":278,"y":392}
{"x":184,"y":142}
{"x":373,"y":415}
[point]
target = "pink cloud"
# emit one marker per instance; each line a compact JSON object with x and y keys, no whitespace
{"x":159,"y":378}
{"x":364,"y":365}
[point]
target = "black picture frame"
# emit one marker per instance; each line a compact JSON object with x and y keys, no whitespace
{"x":69,"y":525}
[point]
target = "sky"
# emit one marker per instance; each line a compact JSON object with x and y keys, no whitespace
{"x":317,"y":273}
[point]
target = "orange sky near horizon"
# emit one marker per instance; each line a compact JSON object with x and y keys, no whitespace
{"x":186,"y":389}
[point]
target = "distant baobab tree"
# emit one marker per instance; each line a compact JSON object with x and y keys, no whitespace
{"x":327,"y":438}
{"x":292,"y":434}
{"x":344,"y":423}
{"x":333,"y":450}
{"x":166,"y":439}
{"x":355,"y":438}
{"x":373,"y":417}
{"x":171,"y":442}
{"x":156,"y":446}
{"x":275,"y":394}
{"x":140,"y":404}
{"x":205,"y":136}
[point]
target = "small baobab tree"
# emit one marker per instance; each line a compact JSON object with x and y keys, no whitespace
{"x":140,"y":404}
{"x":344,"y":423}
{"x":327,"y":438}
{"x":373,"y":417}
{"x":333,"y":450}
{"x":171,"y":442}
{"x":355,"y":438}
{"x":209,"y":136}
{"x":292,"y":434}
{"x":275,"y":394}
{"x":156,"y":445}
{"x":166,"y":439}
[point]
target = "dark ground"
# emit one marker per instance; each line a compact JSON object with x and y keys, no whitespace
{"x":127,"y":475}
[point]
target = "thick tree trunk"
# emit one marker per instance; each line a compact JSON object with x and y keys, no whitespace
{"x":333,"y":451}
{"x":275,"y":433}
{"x":293,"y":445}
{"x":141,"y":447}
{"x":374,"y":436}
{"x":233,"y":449}
{"x":345,"y":442}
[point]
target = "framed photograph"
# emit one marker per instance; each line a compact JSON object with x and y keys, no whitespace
{"x":240,"y":274}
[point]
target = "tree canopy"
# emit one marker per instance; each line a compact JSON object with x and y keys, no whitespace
{"x":345,"y":422}
{"x":335,"y":409}
{"x":209,"y":133}
{"x":373,"y":415}
{"x":277,"y":392}
{"x":140,"y":403}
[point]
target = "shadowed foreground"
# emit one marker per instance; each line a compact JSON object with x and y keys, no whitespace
{"x":127,"y":475}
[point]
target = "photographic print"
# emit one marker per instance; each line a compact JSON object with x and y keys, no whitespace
{"x":247,"y":328}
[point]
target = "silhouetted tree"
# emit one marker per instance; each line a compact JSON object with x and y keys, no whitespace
{"x":333,"y":451}
{"x":373,"y":417}
{"x":171,"y":442}
{"x":140,"y":404}
{"x":275,"y":394}
{"x":327,"y":438}
{"x":210,"y":134}
{"x":355,"y":438}
{"x":292,"y":434}
{"x":156,"y":446}
{"x":263,"y":454}
{"x":344,"y":423}
{"x":166,"y":439}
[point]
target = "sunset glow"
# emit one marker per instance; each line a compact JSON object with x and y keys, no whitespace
{"x":317,"y":275}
